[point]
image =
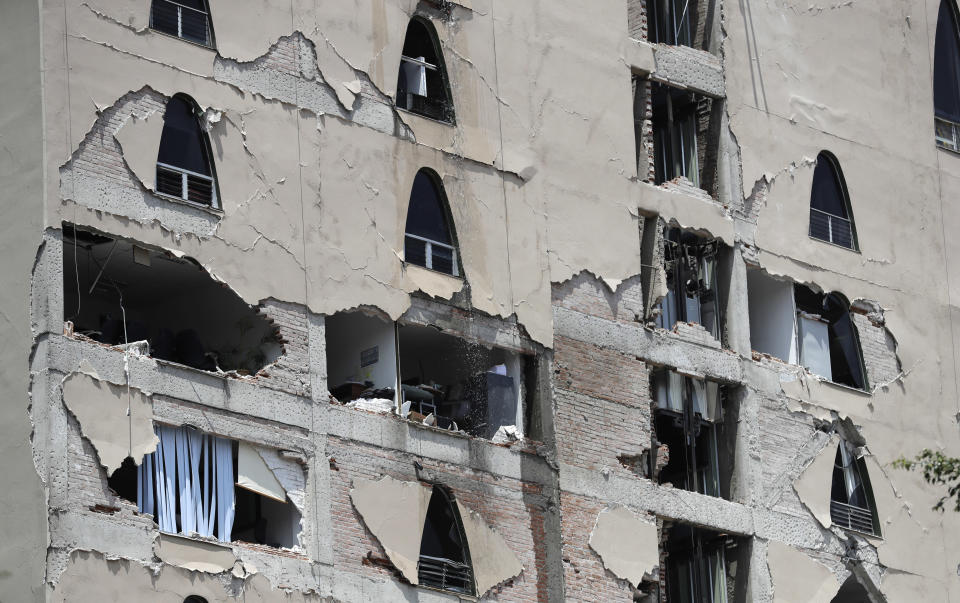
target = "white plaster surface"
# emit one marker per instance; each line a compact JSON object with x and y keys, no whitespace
{"x":628,"y":545}
{"x":797,"y":578}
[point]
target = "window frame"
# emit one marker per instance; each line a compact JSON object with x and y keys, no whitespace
{"x":208,"y":23}
{"x":450,"y":501}
{"x":447,"y":110}
{"x":858,"y":469}
{"x":453,"y":246}
{"x":942,"y":122}
{"x":839,"y":179}
{"x":185,"y":174}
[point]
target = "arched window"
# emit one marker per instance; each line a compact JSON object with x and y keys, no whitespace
{"x":422,"y":85}
{"x":429,"y":240}
{"x":184,"y":170}
{"x":186,"y":19}
{"x":946,"y":78}
{"x":831,"y":218}
{"x":851,"y":498}
{"x":829,"y":344}
{"x":444,"y":556}
{"x":194,"y":599}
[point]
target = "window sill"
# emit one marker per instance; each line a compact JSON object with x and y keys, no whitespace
{"x":824,"y":241}
{"x":216,"y":211}
{"x":408,"y":265}
{"x":191,"y":42}
{"x":430,"y":119}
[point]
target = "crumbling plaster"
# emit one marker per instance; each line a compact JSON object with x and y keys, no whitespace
{"x":267,"y":192}
{"x":791,"y":95}
{"x":628,"y":545}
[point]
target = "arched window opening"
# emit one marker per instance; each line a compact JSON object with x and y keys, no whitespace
{"x":194,"y":599}
{"x":946,"y":78}
{"x":851,"y":498}
{"x":828,"y":340}
{"x":186,"y":19}
{"x":429,"y":241}
{"x":444,"y":556}
{"x":422,"y":85}
{"x":831,"y":218}
{"x":852,"y":592}
{"x":184,"y":170}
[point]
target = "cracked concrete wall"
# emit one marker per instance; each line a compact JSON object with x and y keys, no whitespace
{"x":21,"y":171}
{"x":315,"y":166}
{"x":789,"y":97}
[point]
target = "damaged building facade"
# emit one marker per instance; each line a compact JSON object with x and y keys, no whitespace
{"x":384,"y":300}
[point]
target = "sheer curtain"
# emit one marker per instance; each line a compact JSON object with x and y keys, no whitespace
{"x":187,"y":484}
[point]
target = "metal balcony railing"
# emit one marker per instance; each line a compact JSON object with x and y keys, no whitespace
{"x":947,"y":133}
{"x":181,"y":21}
{"x":431,"y":254}
{"x":852,"y":517}
{"x":445,"y":574}
{"x":186,"y":185}
{"x":831,"y":228}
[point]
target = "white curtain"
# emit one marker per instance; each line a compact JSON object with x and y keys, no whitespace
{"x":706,"y":399}
{"x":190,"y":472}
{"x":670,"y":391}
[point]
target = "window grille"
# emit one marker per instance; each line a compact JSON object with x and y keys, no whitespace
{"x":431,"y":254}
{"x":831,"y":228}
{"x":186,"y":185}
{"x":182,"y":21}
{"x":948,"y":134}
{"x":445,"y":574}
{"x":414,"y":90}
{"x":851,"y":517}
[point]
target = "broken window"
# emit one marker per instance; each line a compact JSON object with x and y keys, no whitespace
{"x":946,"y":78}
{"x":428,"y":240}
{"x":444,"y":380}
{"x":829,"y":345}
{"x":674,"y":134}
{"x":117,"y":292}
{"x":690,"y":263}
{"x":422,"y":85}
{"x":669,"y":21}
{"x":444,"y":556}
{"x":799,"y":326}
{"x":700,"y":564}
{"x":687,"y":421}
{"x":213,"y":487}
{"x":184,"y":170}
{"x":851,"y":498}
{"x":186,"y":19}
{"x":831,"y":218}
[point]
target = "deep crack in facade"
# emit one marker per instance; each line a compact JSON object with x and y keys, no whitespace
{"x":627,"y":352}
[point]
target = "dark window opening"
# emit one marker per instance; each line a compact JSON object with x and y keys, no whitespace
{"x":946,"y":78}
{"x":851,"y":497}
{"x":422,"y":85}
{"x":196,"y":483}
{"x":688,"y":420}
{"x":186,"y":19}
{"x":828,"y":342}
{"x":852,"y":592}
{"x":831,"y":219}
{"x":428,"y":241}
{"x":690,"y":263}
{"x":117,"y":292}
{"x":123,"y":482}
{"x":669,"y":21}
{"x":194,"y":599}
{"x":444,"y":380}
{"x":444,"y":556}
{"x":183,"y":161}
{"x":675,"y":126}
{"x":701,"y":565}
